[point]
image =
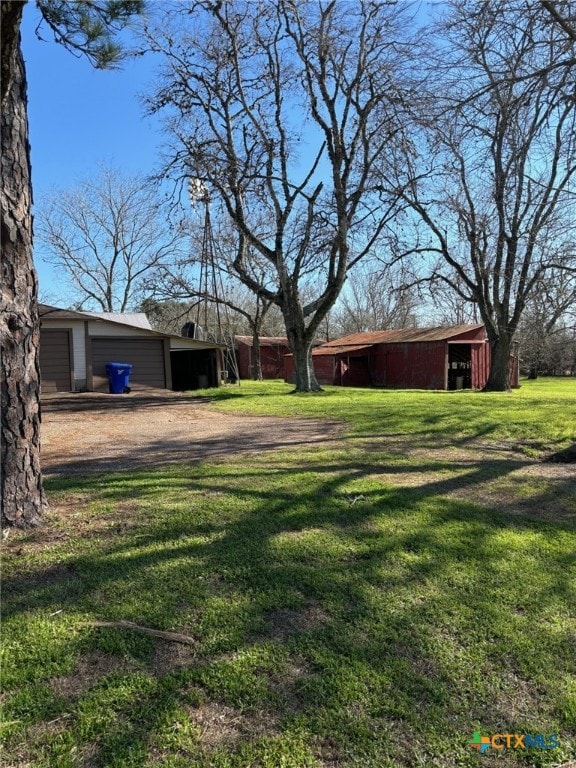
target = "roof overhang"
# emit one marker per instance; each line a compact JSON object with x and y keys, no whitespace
{"x":343,"y":350}
{"x":183,"y":344}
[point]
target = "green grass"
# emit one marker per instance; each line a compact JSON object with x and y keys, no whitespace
{"x":354,"y":605}
{"x":542,"y":412}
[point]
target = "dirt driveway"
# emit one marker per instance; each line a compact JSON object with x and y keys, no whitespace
{"x":85,"y":433}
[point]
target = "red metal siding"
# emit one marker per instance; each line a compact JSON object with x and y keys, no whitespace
{"x":325,"y":369}
{"x":410,"y":365}
{"x":480,"y":364}
{"x":474,"y":334}
{"x":243,"y":357}
{"x":481,"y":357}
{"x":271,"y":360}
{"x":289,"y":369}
{"x":513,"y":372}
{"x":407,"y":364}
{"x":418,"y":366}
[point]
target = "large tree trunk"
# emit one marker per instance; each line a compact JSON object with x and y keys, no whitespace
{"x":300,"y":340}
{"x":304,"y":374}
{"x":256,"y":361}
{"x":499,"y":376}
{"x":22,"y":495}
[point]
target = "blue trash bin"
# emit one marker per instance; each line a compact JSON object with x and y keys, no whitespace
{"x":118,"y":377}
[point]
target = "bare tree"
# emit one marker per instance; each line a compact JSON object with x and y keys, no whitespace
{"x":563,"y":14}
{"x":106,"y":235}
{"x":490,"y":184}
{"x":86,"y":28}
{"x":546,"y":331}
{"x":448,"y":306}
{"x":375,"y":299}
{"x":283,"y":109}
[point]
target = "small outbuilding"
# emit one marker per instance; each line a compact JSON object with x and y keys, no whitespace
{"x":445,"y":357}
{"x":272,"y":352}
{"x":76,"y":346}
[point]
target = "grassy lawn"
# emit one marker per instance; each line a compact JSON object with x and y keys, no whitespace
{"x":370,"y":603}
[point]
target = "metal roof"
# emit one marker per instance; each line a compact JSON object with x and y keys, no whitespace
{"x":176,"y":342}
{"x":54,"y":313}
{"x":136,"y":319}
{"x":400,"y":335}
{"x":265,"y":341}
{"x":340,"y":350}
{"x":132,"y":319}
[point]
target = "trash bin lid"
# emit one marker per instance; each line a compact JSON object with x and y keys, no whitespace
{"x":113,"y":366}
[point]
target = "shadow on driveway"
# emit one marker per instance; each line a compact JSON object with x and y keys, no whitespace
{"x":93,"y":433}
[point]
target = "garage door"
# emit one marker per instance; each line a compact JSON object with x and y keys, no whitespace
{"x":145,"y":355}
{"x":55,"y":361}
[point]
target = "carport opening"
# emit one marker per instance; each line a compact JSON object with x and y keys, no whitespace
{"x":193,"y":369}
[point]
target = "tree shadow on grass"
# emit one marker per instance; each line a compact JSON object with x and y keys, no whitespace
{"x":343,"y":614}
{"x":565,"y":456}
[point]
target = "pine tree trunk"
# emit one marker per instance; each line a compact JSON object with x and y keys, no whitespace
{"x":499,"y":376}
{"x":22,"y":496}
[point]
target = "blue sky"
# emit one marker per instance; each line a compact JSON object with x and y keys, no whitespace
{"x":80,"y":117}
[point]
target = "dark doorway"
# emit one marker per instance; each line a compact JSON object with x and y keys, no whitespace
{"x":459,"y":366}
{"x":355,"y":371}
{"x":193,"y":369}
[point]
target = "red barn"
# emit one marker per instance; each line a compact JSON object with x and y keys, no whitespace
{"x":453,"y":357}
{"x":272,"y":352}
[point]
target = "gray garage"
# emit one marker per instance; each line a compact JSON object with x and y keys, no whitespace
{"x":56,"y":360}
{"x":145,"y":355}
{"x":75,"y":347}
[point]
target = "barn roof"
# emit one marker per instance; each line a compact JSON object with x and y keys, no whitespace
{"x":265,"y":341}
{"x":327,"y":349}
{"x":400,"y":335}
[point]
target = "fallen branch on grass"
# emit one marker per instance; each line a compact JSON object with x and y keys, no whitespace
{"x":174,"y":637}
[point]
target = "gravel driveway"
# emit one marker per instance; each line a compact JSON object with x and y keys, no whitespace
{"x":85,"y":433}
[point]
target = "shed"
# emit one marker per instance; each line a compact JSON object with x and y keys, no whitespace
{"x":272,"y":352}
{"x":441,"y":357}
{"x":75,"y":347}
